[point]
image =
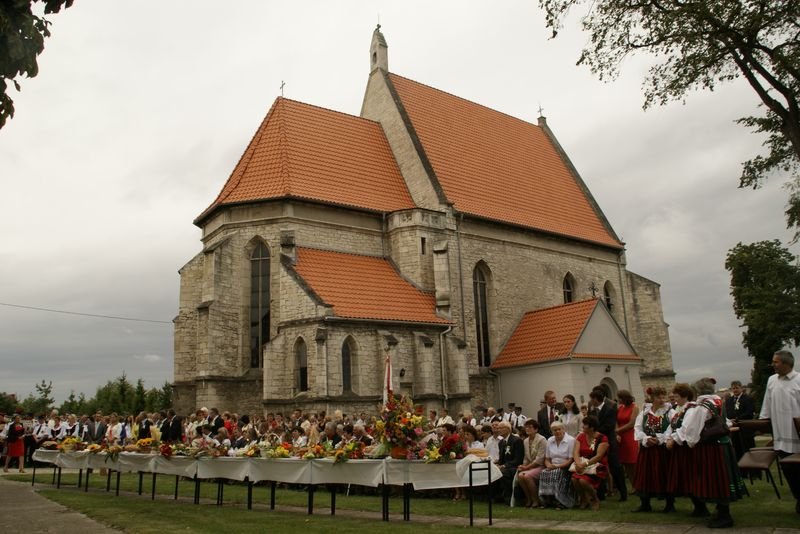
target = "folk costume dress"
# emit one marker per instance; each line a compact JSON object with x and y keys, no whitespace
{"x":652,"y":462}
{"x":679,"y":469}
{"x":715,"y":473}
{"x":589,"y":450}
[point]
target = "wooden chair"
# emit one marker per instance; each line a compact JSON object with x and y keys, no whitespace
{"x":759,"y":458}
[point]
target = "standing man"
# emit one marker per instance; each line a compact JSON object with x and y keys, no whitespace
{"x":549,"y":413}
{"x":606,"y":412}
{"x":781,"y":404}
{"x":739,"y":406}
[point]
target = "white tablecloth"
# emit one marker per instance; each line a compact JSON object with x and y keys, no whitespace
{"x":367,"y":472}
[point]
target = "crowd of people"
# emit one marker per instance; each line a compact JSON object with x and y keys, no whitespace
{"x":676,"y":445}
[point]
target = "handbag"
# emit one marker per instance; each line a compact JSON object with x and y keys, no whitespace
{"x":714,"y":429}
{"x":588,"y":470}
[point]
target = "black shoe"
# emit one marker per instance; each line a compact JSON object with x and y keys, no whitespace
{"x":642,"y":508}
{"x":669,"y":509}
{"x":721,"y":522}
{"x":700,"y":512}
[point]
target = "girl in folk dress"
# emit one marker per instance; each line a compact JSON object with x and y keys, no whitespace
{"x":650,"y":431}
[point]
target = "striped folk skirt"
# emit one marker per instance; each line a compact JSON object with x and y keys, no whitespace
{"x":716,"y":475}
{"x":651,"y":471}
{"x":680,"y":473}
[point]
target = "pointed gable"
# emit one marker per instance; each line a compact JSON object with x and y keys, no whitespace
{"x":364,"y":287}
{"x":498,"y":167}
{"x":307,"y":152}
{"x":581,"y":329}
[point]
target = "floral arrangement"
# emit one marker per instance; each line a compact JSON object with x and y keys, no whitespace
{"x":250,"y":452}
{"x":352,"y":451}
{"x":317,"y":451}
{"x":94,"y":448}
{"x":71,"y":444}
{"x":146,"y":443}
{"x":113,"y":453}
{"x":451,"y":448}
{"x":166,"y":450}
{"x":50,"y":445}
{"x":284,"y":450}
{"x":401,"y":426}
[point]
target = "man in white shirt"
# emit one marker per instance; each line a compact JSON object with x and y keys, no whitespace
{"x":782,"y":402}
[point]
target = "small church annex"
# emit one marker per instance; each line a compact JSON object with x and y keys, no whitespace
{"x":456,"y":239}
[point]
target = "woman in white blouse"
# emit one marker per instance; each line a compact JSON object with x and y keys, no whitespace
{"x":572,"y":417}
{"x":114,"y":432}
{"x":555,"y":486}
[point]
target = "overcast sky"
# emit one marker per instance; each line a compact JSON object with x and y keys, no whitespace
{"x":141,"y":110}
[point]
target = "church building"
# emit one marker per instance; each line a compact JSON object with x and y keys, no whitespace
{"x":459,"y":241}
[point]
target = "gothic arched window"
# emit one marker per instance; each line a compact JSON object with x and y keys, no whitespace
{"x":347,"y":365}
{"x":569,"y":288}
{"x":480,"y":280}
{"x":301,"y":364}
{"x":609,"y":295}
{"x":259,"y":302}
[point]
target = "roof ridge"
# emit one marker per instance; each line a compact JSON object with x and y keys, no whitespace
{"x":467,"y":100}
{"x":283,"y":143}
{"x":350,"y":115}
{"x":342,"y":252}
{"x":584,"y":301}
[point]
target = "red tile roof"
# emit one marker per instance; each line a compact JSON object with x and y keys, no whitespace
{"x":308,"y":152}
{"x":551,"y":334}
{"x":364,"y":287}
{"x":499,"y":167}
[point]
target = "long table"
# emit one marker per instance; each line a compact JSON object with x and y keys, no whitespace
{"x":468,"y":472}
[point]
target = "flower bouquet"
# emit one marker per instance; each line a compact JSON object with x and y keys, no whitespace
{"x":113,"y":453}
{"x":316,"y":451}
{"x":284,"y":450}
{"x":452,"y":448}
{"x":399,"y":428}
{"x":94,"y":448}
{"x":146,"y":444}
{"x":352,"y":451}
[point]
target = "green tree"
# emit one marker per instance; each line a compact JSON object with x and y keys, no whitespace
{"x":139,"y":397}
{"x":765,"y":285}
{"x":22,"y":34}
{"x":8,"y":402}
{"x":700,"y":44}
{"x":75,"y":405}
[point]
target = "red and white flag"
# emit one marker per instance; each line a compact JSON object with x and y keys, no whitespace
{"x":387,"y":383}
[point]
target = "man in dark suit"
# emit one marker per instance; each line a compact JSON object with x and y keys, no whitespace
{"x":97,"y":430}
{"x":549,"y":413}
{"x":512,"y":454}
{"x":739,"y":406}
{"x":215,"y":420}
{"x":172,"y":429}
{"x":606,"y":412}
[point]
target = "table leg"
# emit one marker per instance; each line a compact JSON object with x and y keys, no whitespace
{"x":80,"y":478}
{"x":54,"y":473}
{"x":116,"y":492}
{"x":58,"y":482}
{"x":108,"y":480}
{"x":311,"y":489}
{"x":196,"y":490}
{"x":333,"y":499}
{"x":471,"y":517}
{"x":272,"y":495}
{"x":489,"y":487}
{"x":86,"y":485}
{"x":220,"y":489}
{"x":153,"y":493}
{"x":33,"y":477}
{"x":141,"y":476}
{"x":385,"y":502}
{"x":177,"y":478}
{"x":406,"y":502}
{"x":249,"y":494}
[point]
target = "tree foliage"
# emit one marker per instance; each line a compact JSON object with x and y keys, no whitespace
{"x":765,"y":285}
{"x":22,"y":34}
{"x":700,"y":44}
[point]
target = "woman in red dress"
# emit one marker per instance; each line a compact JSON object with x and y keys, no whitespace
{"x":628,"y":447}
{"x":15,"y":444}
{"x":591,"y":464}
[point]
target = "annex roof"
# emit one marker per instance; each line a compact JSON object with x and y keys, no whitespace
{"x":557,"y":333}
{"x":498,"y":167}
{"x":364,"y":287}
{"x":307,"y":152}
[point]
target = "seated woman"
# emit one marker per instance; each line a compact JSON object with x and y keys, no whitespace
{"x":555,"y":486}
{"x":533,"y":464}
{"x":591,"y":464}
{"x":299,"y":438}
{"x":223,"y":438}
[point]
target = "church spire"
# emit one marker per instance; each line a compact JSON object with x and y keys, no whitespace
{"x":378,"y":51}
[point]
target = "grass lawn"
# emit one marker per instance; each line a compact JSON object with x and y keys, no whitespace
{"x":761,"y":509}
